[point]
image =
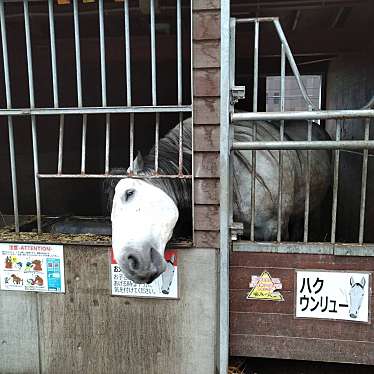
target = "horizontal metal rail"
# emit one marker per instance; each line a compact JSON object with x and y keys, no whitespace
{"x":293,"y":145}
{"x":305,"y":248}
{"x":96,"y":110}
{"x":302,"y":115}
{"x":259,"y":19}
{"x":119,"y":176}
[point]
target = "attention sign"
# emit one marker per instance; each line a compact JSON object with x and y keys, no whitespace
{"x":264,"y":287}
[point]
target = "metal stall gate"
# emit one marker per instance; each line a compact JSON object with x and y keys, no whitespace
{"x":327,"y":247}
{"x":49,"y":10}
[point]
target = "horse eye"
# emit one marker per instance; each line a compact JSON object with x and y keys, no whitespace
{"x":128,"y":194}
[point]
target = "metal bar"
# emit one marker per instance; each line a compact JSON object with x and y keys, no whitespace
{"x":96,"y":110}
{"x":306,"y":115}
{"x":103,"y":84}
{"x":10,"y":120}
{"x":84,"y":141}
{"x":53,"y":53}
{"x":364,"y":184}
{"x":351,"y":249}
{"x":77,"y":52}
{"x":335,"y":186}
{"x":281,"y":135}
{"x":307,"y":186}
{"x":33,"y":118}
{"x":128,"y":80}
{"x":255,"y":99}
{"x":107,"y":143}
{"x":223,"y":340}
{"x":292,"y":62}
{"x":258,"y":19}
{"x":180,"y":83}
{"x":104,"y":176}
{"x":296,"y":20}
{"x":60,"y":144}
{"x":293,"y":145}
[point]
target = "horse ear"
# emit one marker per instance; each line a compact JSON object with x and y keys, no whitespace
{"x":352,"y":281}
{"x":138,"y":163}
{"x":363,"y":281}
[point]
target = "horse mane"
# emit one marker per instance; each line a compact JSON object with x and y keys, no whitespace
{"x":179,"y":189}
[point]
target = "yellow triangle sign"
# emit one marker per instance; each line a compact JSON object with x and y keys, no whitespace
{"x":264,"y":288}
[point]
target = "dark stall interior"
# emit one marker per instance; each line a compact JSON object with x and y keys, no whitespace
{"x":83,"y":197}
{"x":332,"y":41}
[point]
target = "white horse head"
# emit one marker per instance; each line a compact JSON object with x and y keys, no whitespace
{"x":356,"y":296}
{"x":143,"y":219}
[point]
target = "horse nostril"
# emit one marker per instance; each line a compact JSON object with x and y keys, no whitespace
{"x":133,"y":262}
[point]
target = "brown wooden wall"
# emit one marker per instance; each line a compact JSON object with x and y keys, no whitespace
{"x":206,"y":78}
{"x":269,"y":329}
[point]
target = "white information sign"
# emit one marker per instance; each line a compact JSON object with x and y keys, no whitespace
{"x":165,"y":286}
{"x":32,"y":267}
{"x":333,"y":295}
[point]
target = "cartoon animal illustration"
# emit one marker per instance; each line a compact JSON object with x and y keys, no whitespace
{"x":18,"y":265}
{"x":38,"y":281}
{"x":16,"y":280}
{"x":8,"y":263}
{"x":37,"y":265}
{"x":28,"y":266}
{"x":167,"y":276}
{"x":356,"y":295}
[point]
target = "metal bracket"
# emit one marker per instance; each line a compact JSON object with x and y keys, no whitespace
{"x":237,"y":93}
{"x":236,"y":229}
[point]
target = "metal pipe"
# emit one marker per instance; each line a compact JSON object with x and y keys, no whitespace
{"x":364,"y":184}
{"x":84,"y":138}
{"x":224,"y":212}
{"x":293,"y":145}
{"x":255,"y":99}
{"x":307,"y":186}
{"x":10,"y":120}
{"x":281,"y":136}
{"x":128,"y":80}
{"x":335,"y":186}
{"x":258,"y":19}
{"x":77,"y":52}
{"x":107,"y":143}
{"x":33,"y":118}
{"x":60,"y":144}
{"x":305,"y":115}
{"x":104,"y":176}
{"x":180,"y":83}
{"x":292,"y":62}
{"x":96,"y":110}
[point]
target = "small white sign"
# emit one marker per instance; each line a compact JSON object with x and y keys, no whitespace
{"x":333,"y":295}
{"x":165,"y":286}
{"x":32,"y":267}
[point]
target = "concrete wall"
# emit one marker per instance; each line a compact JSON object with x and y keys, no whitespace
{"x":86,"y":330}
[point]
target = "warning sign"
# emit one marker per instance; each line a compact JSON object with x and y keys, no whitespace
{"x":264,"y":288}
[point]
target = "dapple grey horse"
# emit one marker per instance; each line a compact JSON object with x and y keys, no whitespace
{"x":145,"y":211}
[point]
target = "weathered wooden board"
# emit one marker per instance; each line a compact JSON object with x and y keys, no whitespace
{"x":269,"y":329}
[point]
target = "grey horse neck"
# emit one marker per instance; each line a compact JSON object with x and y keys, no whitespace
{"x":179,"y":189}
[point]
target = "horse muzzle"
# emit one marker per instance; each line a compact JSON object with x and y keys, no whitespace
{"x":142,"y":266}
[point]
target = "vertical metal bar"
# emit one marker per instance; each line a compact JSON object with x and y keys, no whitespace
{"x":154,"y":79}
{"x":79,"y":82}
{"x":55,"y":83}
{"x":10,"y":121}
{"x":179,"y":74}
{"x":255,"y":99}
{"x":292,"y":62}
{"x":128,"y":78}
{"x":307,"y":186}
{"x":224,"y":188}
{"x":335,"y":185}
{"x":84,"y":137}
{"x":32,"y":105}
{"x":364,"y":184}
{"x":103,"y":85}
{"x":281,"y":136}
